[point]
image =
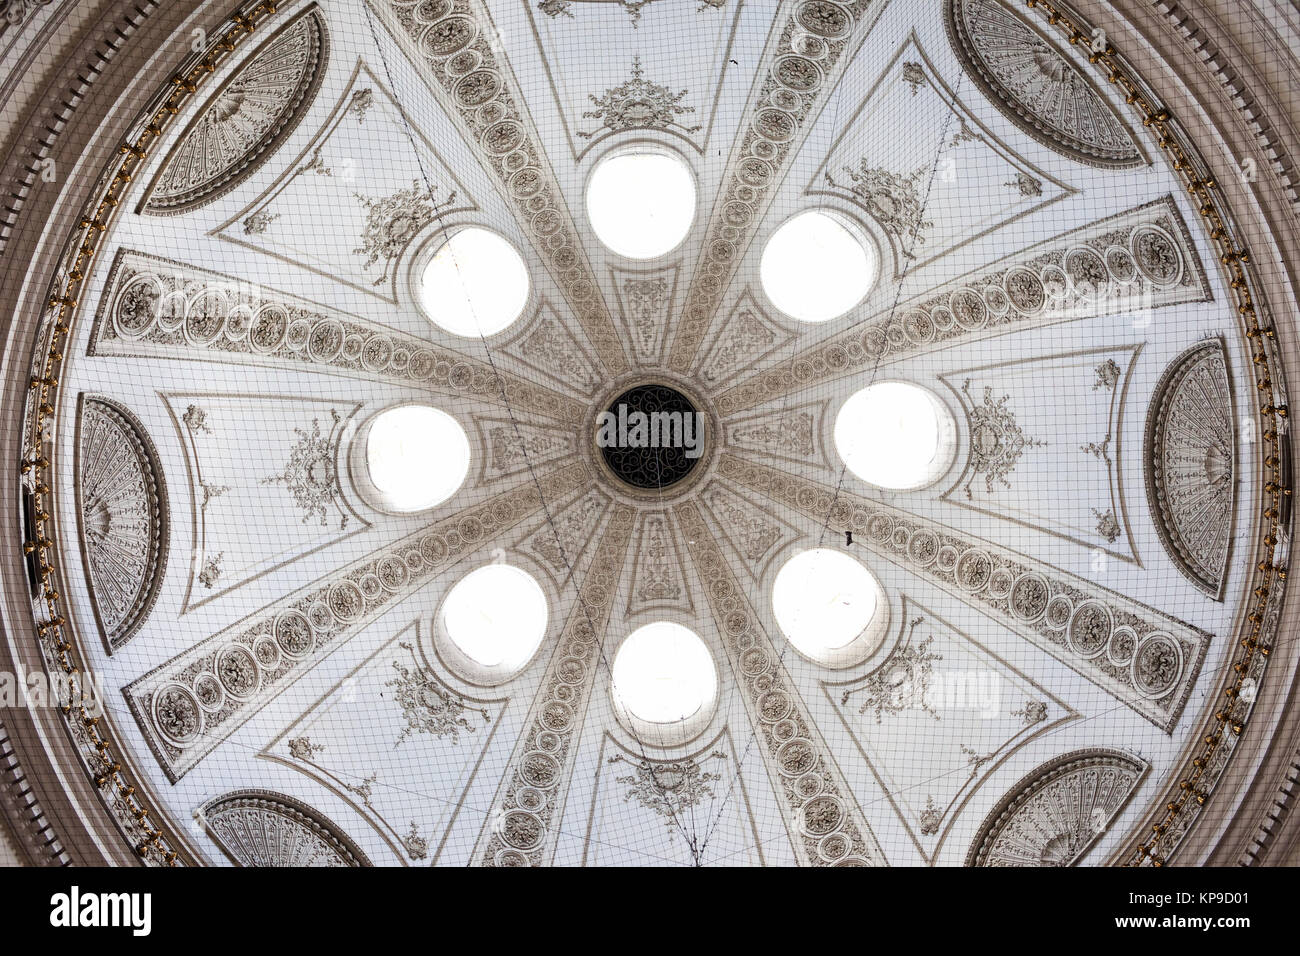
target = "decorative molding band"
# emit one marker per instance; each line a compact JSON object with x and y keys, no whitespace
{"x":1254,"y":109}
{"x":805,"y":58}
{"x":191,"y":704}
{"x":1055,"y":814}
{"x":1159,"y":837}
{"x":263,"y":828}
{"x":125,"y":801}
{"x":64,"y":98}
{"x":523,"y":826}
{"x":246,"y":121}
{"x":1189,"y":455}
{"x":122,"y":516}
{"x":1136,"y":260}
{"x":1036,"y":86}
{"x":466,"y":70}
{"x":20,"y":809}
{"x":826,"y":825}
{"x":159,"y":308}
{"x":1140,"y":656}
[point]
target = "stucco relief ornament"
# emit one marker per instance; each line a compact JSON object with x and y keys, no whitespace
{"x":996,"y":440}
{"x":755,"y":534}
{"x":429,"y":707}
{"x":645,"y":299}
{"x":551,"y":346}
{"x":138,"y":308}
{"x":310,"y":474}
{"x":1034,"y":711}
{"x":16,"y":12}
{"x":558,"y":8}
{"x":302,"y":748}
{"x":914,"y":76}
{"x":210,"y":491}
{"x":1053,"y":816}
{"x":789,"y":434}
{"x":931,"y":817}
{"x":510,"y":450}
{"x":392,"y":221}
{"x":248,"y":119}
{"x":257,"y":223}
{"x":659,"y":577}
{"x":123,"y":516}
{"x":261,"y":828}
{"x":365,"y":790}
{"x":316,"y":165}
{"x":902,"y":683}
{"x":1099,"y":450}
{"x":362,"y":101}
{"x":638,"y":104}
{"x":892,"y":199}
{"x":1107,"y":525}
{"x":210,"y":573}
{"x":1189,"y":449}
{"x":1036,"y":85}
{"x":668,"y":789}
{"x":196,"y":419}
{"x":746,"y":337}
{"x":563,"y":540}
{"x":1107,"y":375}
{"x":1028,"y":186}
{"x":417,"y":847}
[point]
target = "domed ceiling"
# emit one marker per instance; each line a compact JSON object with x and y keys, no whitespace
{"x":971,"y":548}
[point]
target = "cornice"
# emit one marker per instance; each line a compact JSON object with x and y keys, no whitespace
{"x":83,"y":101}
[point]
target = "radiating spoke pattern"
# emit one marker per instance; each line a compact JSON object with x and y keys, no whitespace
{"x":826,"y":825}
{"x":194,"y":701}
{"x":277,"y":452}
{"x":490,"y":108}
{"x":1143,"y":658}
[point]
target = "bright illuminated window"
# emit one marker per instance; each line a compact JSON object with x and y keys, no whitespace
{"x":476,"y":284}
{"x":830,"y":607}
{"x":416,"y":456}
{"x":664,"y":675}
{"x":895,"y":435}
{"x":815,"y":267}
{"x":641,"y":204}
{"x":496,"y":616}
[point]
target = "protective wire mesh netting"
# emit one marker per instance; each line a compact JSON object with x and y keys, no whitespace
{"x":1061,"y":565}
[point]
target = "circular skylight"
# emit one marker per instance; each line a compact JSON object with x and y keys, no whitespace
{"x":416,"y":456}
{"x":496,"y":616}
{"x":895,"y":435}
{"x":816,"y":267}
{"x":641,"y":204}
{"x":664,"y":681}
{"x":475,"y":284}
{"x":830,"y":607}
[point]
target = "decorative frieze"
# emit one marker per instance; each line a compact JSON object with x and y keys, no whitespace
{"x":827,"y":828}
{"x":521,"y":828}
{"x":191,"y":704}
{"x":1132,"y":262}
{"x":1140,"y":656}
{"x":159,"y":308}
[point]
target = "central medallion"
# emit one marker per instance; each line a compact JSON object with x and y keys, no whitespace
{"x":651,"y":436}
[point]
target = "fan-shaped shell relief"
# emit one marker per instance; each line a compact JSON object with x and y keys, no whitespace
{"x":261,"y":828}
{"x":578,"y":433}
{"x":123,"y":515}
{"x":248,"y":119}
{"x":1190,"y":459}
